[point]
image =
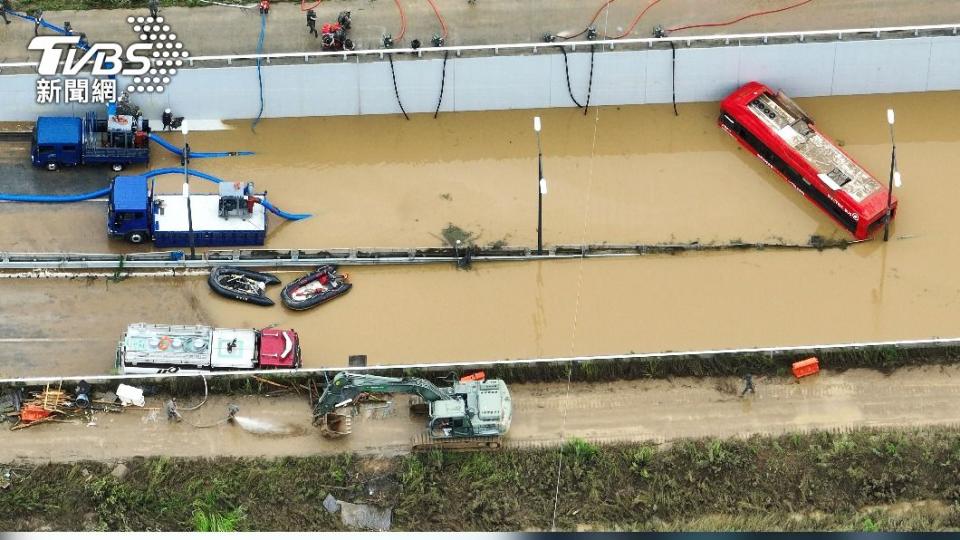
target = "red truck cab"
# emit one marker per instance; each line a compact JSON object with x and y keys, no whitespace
{"x":279,"y":349}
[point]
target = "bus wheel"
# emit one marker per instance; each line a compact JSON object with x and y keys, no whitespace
{"x":117,"y":167}
{"x":52,"y":166}
{"x":135,"y":237}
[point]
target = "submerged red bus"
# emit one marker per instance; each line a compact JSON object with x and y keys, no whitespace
{"x":773,"y":127}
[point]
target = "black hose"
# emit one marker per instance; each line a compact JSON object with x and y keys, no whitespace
{"x":396,"y":91}
{"x":589,"y":84}
{"x":443,"y":78}
{"x":566,"y":68}
{"x":673,"y":71}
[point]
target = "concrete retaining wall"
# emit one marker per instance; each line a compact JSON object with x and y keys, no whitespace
{"x":538,"y":80}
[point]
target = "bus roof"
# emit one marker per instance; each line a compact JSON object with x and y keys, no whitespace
{"x":832,"y":166}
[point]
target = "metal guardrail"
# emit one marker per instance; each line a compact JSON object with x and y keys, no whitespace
{"x":534,"y":48}
{"x":488,"y":364}
{"x":302,"y":258}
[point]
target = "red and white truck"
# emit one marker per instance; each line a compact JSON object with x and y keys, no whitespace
{"x":158,"y":348}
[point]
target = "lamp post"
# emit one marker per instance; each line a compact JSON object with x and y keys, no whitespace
{"x":186,"y":188}
{"x":541,"y":186}
{"x":894,"y":176}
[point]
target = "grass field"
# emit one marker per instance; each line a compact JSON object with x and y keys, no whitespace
{"x":862,"y":480}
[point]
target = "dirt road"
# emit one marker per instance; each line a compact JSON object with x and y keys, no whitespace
{"x":543,"y":414}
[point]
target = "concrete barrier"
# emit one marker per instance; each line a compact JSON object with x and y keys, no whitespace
{"x":486,"y":79}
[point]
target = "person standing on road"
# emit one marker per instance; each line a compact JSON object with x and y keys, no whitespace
{"x":37,"y":20}
{"x":748,"y":385}
{"x":173,"y":415}
{"x":154,"y":6}
{"x":312,"y":23}
{"x":4,"y":7}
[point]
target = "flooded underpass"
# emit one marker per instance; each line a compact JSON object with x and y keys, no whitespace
{"x":620,"y":174}
{"x":629,"y":174}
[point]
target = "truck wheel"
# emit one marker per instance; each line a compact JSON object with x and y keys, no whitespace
{"x":52,"y":166}
{"x":117,"y":167}
{"x":135,"y":237}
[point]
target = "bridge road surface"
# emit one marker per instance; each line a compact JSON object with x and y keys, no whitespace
{"x":656,"y":410}
{"x":654,"y":178}
{"x":216,"y":30}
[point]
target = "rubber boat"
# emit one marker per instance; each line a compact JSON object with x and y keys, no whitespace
{"x":241,"y":284}
{"x":315,"y":288}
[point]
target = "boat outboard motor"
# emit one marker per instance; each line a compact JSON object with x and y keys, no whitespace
{"x":83,"y":395}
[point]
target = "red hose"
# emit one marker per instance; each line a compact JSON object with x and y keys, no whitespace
{"x":443,"y":23}
{"x":403,"y":22}
{"x":306,"y":8}
{"x":636,"y":20}
{"x":747,"y":16}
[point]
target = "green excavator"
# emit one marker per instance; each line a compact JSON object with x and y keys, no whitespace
{"x":472,"y":414}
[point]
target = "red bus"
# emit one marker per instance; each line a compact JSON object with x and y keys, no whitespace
{"x":773,"y":127}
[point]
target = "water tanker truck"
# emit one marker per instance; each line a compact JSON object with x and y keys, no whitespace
{"x":157,"y":348}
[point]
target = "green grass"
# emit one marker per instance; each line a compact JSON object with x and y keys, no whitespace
{"x":861,"y":480}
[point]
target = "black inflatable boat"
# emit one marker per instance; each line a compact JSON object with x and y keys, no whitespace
{"x":315,"y":288}
{"x":241,"y":284}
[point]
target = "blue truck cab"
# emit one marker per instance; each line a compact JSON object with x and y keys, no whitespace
{"x":128,"y":209}
{"x":118,"y":140}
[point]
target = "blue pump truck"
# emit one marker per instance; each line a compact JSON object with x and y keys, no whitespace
{"x":234,"y":216}
{"x":118,"y":140}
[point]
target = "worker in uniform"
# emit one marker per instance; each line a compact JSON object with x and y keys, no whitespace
{"x":748,"y":385}
{"x":312,"y":23}
{"x":167,"y":119}
{"x":154,"y":6}
{"x":173,"y":415}
{"x":264,"y":7}
{"x":4,"y":7}
{"x":37,"y":19}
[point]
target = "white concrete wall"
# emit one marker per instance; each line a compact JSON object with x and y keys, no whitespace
{"x":538,"y":81}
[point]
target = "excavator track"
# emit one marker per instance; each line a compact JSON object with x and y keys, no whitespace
{"x":425,"y":443}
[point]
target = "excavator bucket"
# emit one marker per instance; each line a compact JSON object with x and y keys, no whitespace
{"x":335,"y":425}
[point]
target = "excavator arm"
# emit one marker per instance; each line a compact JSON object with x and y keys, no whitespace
{"x":346,"y":386}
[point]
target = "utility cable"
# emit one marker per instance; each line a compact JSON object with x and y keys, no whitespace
{"x":443,"y":78}
{"x":738,"y":19}
{"x":566,"y":68}
{"x":576,"y":312}
{"x":263,"y":31}
{"x":396,"y":90}
{"x":586,"y":105}
{"x":673,"y":74}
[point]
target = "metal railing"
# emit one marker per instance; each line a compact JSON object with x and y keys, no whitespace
{"x":530,"y":362}
{"x":689,"y":41}
{"x":302,"y":258}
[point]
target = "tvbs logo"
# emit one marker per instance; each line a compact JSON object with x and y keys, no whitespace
{"x":104,"y":59}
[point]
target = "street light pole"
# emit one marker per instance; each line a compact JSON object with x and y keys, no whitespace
{"x":541,"y":186}
{"x":894,"y":175}
{"x":186,"y":188}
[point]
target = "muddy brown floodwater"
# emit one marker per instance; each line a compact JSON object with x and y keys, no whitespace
{"x":650,"y":177}
{"x":543,"y":414}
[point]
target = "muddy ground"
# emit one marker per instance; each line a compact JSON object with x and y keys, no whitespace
{"x":544,"y":414}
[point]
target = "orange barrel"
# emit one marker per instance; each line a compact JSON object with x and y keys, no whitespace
{"x":806,"y":367}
